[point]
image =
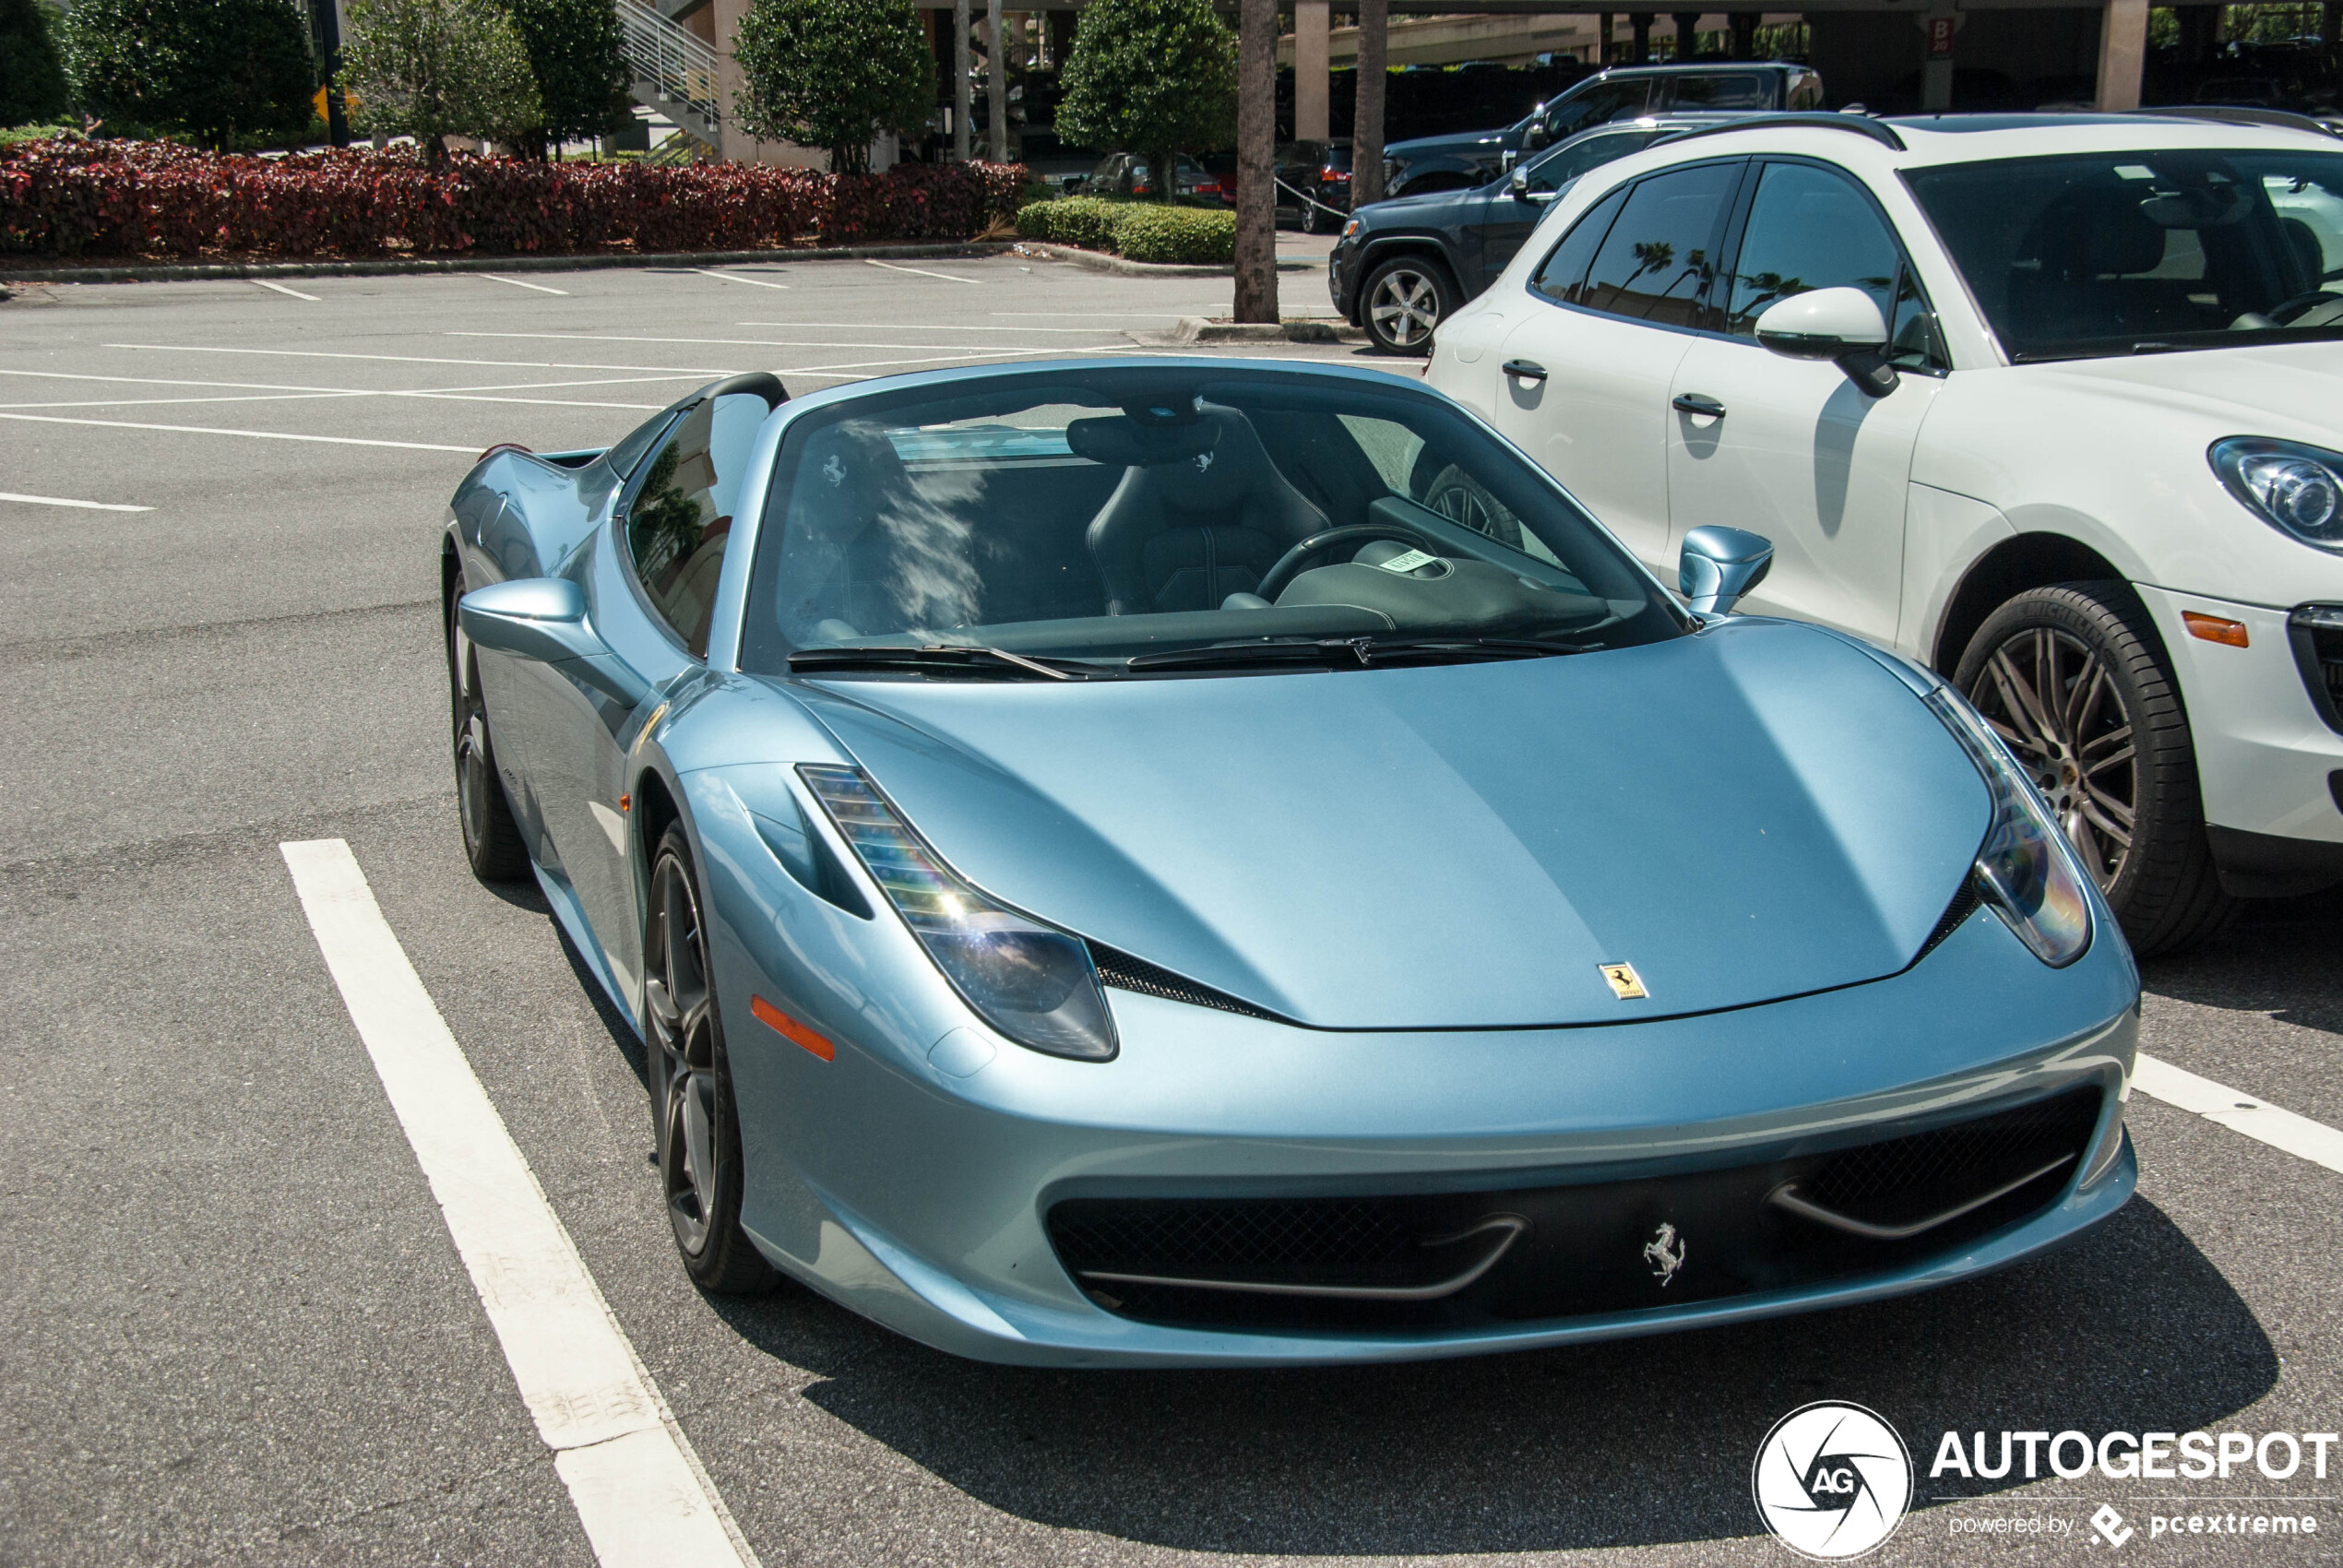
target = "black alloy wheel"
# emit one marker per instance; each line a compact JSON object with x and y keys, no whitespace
{"x":2072,"y":678}
{"x":691,"y":1082}
{"x":491,"y":840}
{"x":1404,"y":299}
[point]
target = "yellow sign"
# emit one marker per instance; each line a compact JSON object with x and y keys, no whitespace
{"x":1625,"y":983}
{"x":349,"y":101}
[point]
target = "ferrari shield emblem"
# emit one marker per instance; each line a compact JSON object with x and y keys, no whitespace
{"x":1625,"y":984}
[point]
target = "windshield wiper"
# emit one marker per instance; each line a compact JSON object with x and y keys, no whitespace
{"x":1352,"y":652}
{"x":956,"y":659}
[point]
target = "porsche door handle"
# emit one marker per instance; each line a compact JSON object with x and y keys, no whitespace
{"x":1697,"y":403}
{"x":1525,"y":370}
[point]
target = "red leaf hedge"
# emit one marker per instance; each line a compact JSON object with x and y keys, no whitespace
{"x":69,"y":197}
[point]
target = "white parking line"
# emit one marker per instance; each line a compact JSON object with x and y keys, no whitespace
{"x":920,"y":270}
{"x":517,"y":283}
{"x":60,"y":501}
{"x":254,"y":434}
{"x":639,"y":1488}
{"x":725,"y":342}
{"x":411,"y":359}
{"x":935,"y":326}
{"x":2257,"y":1119}
{"x":296,"y":294}
{"x":735,"y":278}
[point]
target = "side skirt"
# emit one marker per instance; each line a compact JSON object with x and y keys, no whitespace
{"x":567,"y":911}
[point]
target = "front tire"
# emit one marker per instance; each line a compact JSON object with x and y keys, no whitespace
{"x":2072,"y":677}
{"x":491,"y":840}
{"x":1403,"y":300}
{"x":691,"y":1082}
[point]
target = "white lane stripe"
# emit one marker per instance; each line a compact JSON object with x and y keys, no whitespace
{"x":517,"y":283}
{"x":735,"y":278}
{"x":920,"y":270}
{"x":730,"y":342}
{"x":254,"y":434}
{"x":937,"y":326}
{"x":296,"y":293}
{"x":60,"y":501}
{"x":351,"y":391}
{"x":637,"y":1488}
{"x":411,"y":359}
{"x":2256,"y":1118}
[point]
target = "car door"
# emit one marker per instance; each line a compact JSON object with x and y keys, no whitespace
{"x":1791,"y":448}
{"x":1585,"y":384}
{"x":1510,"y":214}
{"x":650,"y":579}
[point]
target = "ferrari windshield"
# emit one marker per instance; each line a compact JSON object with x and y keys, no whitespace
{"x":2144,"y":251}
{"x":1084,"y":518}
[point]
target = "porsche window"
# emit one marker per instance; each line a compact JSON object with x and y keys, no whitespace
{"x":681,"y":512}
{"x":1656,"y":262}
{"x":1112,"y":513}
{"x":2124,"y":252}
{"x":1810,"y":229}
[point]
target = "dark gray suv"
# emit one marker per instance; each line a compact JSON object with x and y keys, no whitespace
{"x":1624,"y":92}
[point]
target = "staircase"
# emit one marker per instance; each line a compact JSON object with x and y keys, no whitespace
{"x":671,"y":69}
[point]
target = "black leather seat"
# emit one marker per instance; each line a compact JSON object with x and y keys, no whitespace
{"x":1184,"y":534}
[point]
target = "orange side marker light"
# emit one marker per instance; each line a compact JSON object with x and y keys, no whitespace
{"x":626,"y":802}
{"x":788,"y":1028}
{"x":2212,"y":629}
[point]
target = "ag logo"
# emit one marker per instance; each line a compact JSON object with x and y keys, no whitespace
{"x":1832,"y":1481}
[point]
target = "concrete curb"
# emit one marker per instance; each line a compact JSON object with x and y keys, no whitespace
{"x":1306,"y":329}
{"x":1099,"y":261}
{"x":182,"y":272}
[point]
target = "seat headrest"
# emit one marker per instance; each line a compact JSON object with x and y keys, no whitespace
{"x":2097,"y":231}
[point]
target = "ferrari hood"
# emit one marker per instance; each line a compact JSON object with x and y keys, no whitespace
{"x":1756,"y":812}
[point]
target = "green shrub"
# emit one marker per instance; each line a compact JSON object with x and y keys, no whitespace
{"x":32,"y":77}
{"x":216,"y":71}
{"x":1151,"y":232}
{"x":37,"y":132}
{"x":1141,"y":231}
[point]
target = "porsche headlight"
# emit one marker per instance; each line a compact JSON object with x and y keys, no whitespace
{"x":2297,"y":490}
{"x":1032,"y":983}
{"x":2025,"y":871}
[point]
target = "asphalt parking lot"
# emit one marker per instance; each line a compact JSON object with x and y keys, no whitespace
{"x":239,"y":1330}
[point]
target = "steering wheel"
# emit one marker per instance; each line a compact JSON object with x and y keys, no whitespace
{"x":1281,"y":576}
{"x":2302,"y":309}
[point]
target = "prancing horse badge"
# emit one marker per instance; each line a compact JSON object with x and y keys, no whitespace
{"x":1625,"y":984}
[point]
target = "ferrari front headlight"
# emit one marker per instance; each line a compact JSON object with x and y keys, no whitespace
{"x":2296,"y":488}
{"x":2025,"y":870}
{"x":1033,"y":983}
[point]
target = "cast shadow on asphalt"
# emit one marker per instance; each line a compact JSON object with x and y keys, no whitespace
{"x":1635,"y":1441}
{"x":2277,"y":956}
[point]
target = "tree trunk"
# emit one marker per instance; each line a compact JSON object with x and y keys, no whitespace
{"x":996,"y":85}
{"x":1256,"y":258}
{"x":1367,"y":119}
{"x":960,"y":133}
{"x":1167,"y":175}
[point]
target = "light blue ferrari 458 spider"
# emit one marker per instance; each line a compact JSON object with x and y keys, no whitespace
{"x":1155,"y":861}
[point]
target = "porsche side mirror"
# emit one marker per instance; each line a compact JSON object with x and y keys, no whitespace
{"x":1719,"y":565}
{"x":1840,"y":325}
{"x":544,"y":619}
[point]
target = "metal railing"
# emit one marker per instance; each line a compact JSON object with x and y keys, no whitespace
{"x":673,"y":70}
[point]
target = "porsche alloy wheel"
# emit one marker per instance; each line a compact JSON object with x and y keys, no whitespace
{"x":491,"y":840}
{"x":2070,"y":678}
{"x":1407,"y":298}
{"x":699,"y":1143}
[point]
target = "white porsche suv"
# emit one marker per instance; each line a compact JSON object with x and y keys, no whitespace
{"x":2053,"y":404}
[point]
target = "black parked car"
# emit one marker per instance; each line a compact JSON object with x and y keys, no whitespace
{"x":1401,"y":267}
{"x":1463,"y":162}
{"x":1319,"y":170}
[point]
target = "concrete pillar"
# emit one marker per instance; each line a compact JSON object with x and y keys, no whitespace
{"x":1936,"y":70}
{"x":1311,"y":85}
{"x":2122,"y":53}
{"x":1639,"y":52}
{"x":1687,"y":34}
{"x":738,"y":145}
{"x":961,"y":95}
